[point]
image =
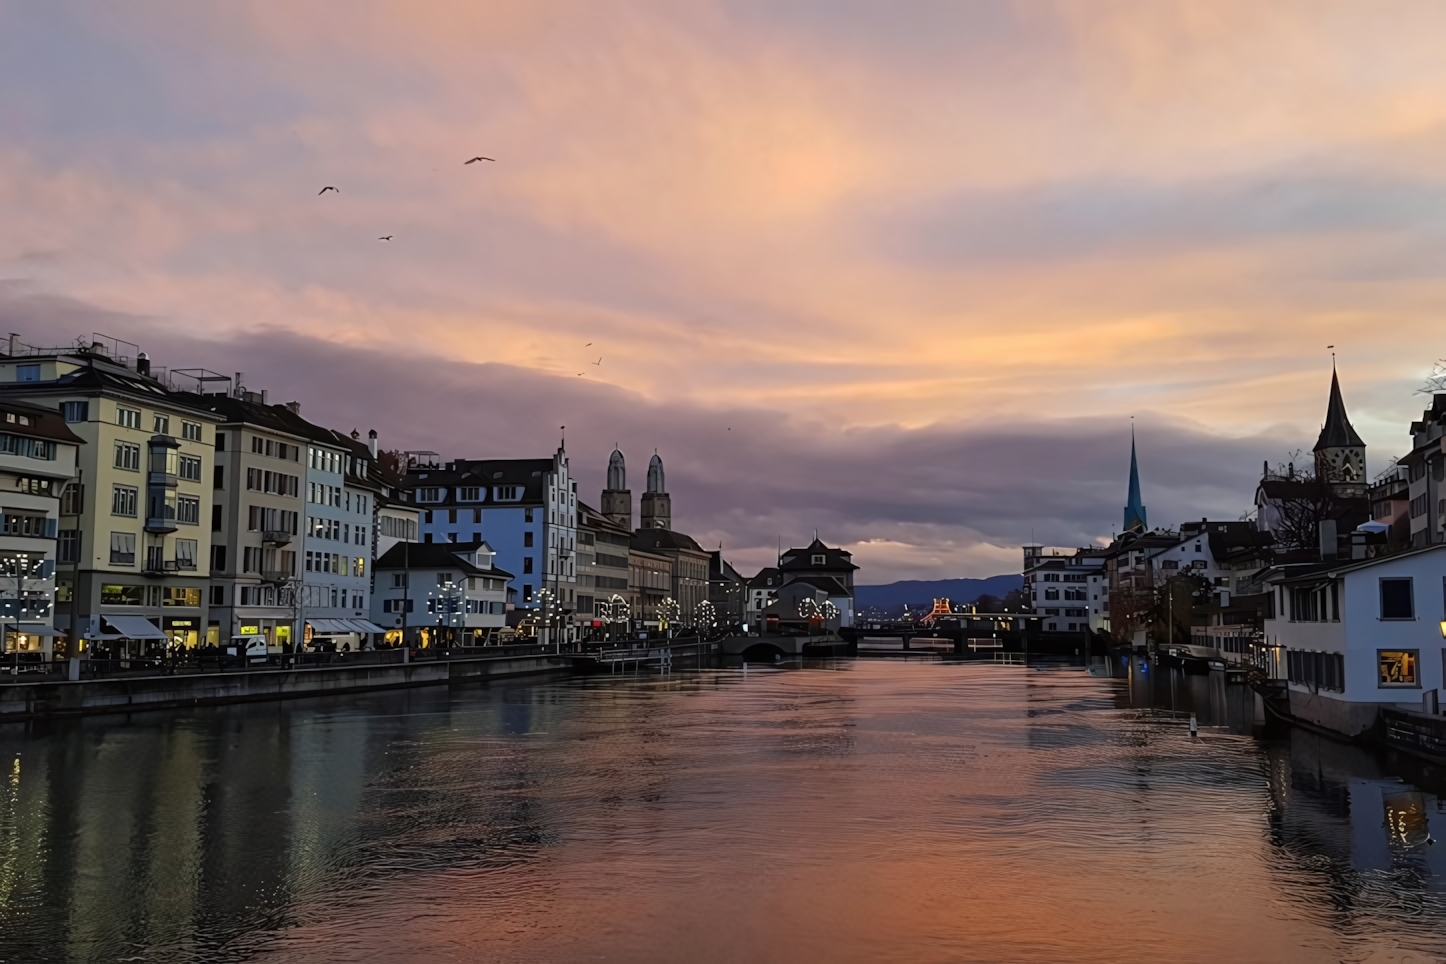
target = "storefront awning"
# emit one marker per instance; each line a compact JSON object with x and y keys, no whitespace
{"x":329,"y":627}
{"x":38,"y":629}
{"x":133,"y":627}
{"x":364,"y":626}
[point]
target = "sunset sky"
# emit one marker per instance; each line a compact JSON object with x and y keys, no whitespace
{"x":901,"y":272}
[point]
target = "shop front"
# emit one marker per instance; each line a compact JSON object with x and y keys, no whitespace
{"x":182,"y":632}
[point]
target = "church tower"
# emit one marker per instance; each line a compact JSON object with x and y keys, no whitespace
{"x":1340,"y":454}
{"x":1134,"y":507}
{"x":657,"y":507}
{"x":617,"y":499}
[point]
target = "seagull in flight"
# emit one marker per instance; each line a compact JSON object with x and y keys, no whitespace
{"x":385,"y":237}
{"x":588,"y":344}
{"x":478,"y":158}
{"x":599,"y":361}
{"x":325,"y":189}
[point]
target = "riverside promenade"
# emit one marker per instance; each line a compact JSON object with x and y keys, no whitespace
{"x":127,"y":687}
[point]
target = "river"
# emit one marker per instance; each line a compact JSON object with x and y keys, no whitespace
{"x":851,"y":811}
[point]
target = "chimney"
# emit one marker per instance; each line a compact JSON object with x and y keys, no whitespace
{"x":263,"y":396}
{"x":1328,"y":540}
{"x":143,"y":364}
{"x":372,"y":442}
{"x":237,"y":384}
{"x":295,"y":407}
{"x":13,"y":338}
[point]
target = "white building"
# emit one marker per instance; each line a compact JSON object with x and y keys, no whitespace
{"x":38,"y":457}
{"x":1067,"y":588}
{"x":440,"y":592}
{"x":1359,"y":634}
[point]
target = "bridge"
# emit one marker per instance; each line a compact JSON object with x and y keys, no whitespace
{"x":768,"y":649}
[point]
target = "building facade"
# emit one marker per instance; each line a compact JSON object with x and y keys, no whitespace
{"x":525,"y":509}
{"x":602,"y":568}
{"x":39,"y":464}
{"x":440,"y":593}
{"x":141,"y":531}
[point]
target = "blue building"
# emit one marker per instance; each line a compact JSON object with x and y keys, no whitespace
{"x":524,"y":509}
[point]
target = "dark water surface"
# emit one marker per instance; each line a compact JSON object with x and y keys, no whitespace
{"x":864,"y":811}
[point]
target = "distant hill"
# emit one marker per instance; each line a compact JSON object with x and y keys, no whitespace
{"x":916,"y":593}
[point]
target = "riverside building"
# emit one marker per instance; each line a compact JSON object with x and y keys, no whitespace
{"x":139,"y":528}
{"x":38,"y":465}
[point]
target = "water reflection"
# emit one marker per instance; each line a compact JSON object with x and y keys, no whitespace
{"x":853,"y":811}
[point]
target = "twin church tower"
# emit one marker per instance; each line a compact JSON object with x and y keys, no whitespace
{"x":617,"y":498}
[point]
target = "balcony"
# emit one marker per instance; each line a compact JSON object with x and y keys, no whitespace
{"x":159,"y":567}
{"x":160,"y":525}
{"x":275,"y":537}
{"x":277,"y":576}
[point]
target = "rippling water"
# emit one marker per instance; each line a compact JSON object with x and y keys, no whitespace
{"x":859,"y":811}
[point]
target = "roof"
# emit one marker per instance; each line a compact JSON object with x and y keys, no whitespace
{"x":590,"y":518}
{"x":1337,"y":431}
{"x":527,"y":473}
{"x":436,"y":555}
{"x":1308,"y":573}
{"x":828,"y":584}
{"x":105,"y":377}
{"x":760,"y":581}
{"x":721,"y":569}
{"x":43,"y":422}
{"x":796,"y":559}
{"x":662,"y":540}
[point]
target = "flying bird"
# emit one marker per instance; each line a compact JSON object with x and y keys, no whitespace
{"x":325,"y":189}
{"x":599,"y":361}
{"x":385,"y":237}
{"x":476,"y":159}
{"x":587,"y":345}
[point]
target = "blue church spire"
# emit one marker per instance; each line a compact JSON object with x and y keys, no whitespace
{"x":1134,"y":510}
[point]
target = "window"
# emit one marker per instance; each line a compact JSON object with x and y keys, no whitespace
{"x":123,"y":500}
{"x":452,"y":516}
{"x":526,"y":564}
{"x":128,"y":456}
{"x":526,"y":515}
{"x":190,"y":468}
{"x":161,"y":425}
{"x":191,"y":430}
{"x":1398,"y":667}
{"x":68,"y":546}
{"x":218,"y":595}
{"x":24,"y":524}
{"x":1170,"y":564}
{"x":508,"y":493}
{"x":122,"y":549}
{"x":819,"y":560}
{"x":128,"y":417}
{"x":75,"y":411}
{"x":120,"y":595}
{"x":1418,"y":506}
{"x":527,"y":592}
{"x":527,"y":540}
{"x":188,"y":511}
{"x":1051,"y":594}
{"x":27,"y":373}
{"x":218,"y":560}
{"x":220,"y":441}
{"x":1396,"y":600}
{"x":218,"y":477}
{"x":186,"y":559}
{"x":470,"y":493}
{"x":429,"y":495}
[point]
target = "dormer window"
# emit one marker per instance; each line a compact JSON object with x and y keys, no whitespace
{"x":819,"y":560}
{"x":429,"y":495}
{"x":507,"y":493}
{"x":469,"y":493}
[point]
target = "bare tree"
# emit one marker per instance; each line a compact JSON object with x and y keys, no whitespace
{"x":1302,"y":514}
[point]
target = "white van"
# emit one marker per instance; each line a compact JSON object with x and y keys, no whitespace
{"x":251,"y":648}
